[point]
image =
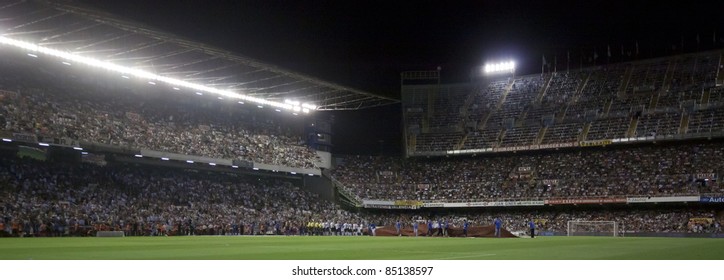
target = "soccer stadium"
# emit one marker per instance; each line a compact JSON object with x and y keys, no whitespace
{"x":122,"y":141}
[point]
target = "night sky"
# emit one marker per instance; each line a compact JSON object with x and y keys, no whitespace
{"x":366,"y":44}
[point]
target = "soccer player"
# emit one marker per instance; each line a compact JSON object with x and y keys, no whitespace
{"x":414,"y":227}
{"x":439,"y":228}
{"x":398,"y":225}
{"x":429,"y":227}
{"x":531,"y":224}
{"x":465,"y":228}
{"x":498,"y":223}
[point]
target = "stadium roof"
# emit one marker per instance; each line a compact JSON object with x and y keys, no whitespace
{"x":91,"y":33}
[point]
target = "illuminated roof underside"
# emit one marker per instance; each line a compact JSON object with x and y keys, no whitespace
{"x":88,"y":36}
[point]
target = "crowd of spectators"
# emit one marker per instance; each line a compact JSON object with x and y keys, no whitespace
{"x":41,"y":198}
{"x":610,"y":99}
{"x":162,"y":122}
{"x":652,"y":170}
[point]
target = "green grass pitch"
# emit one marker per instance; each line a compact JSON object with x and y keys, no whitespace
{"x":360,"y":248}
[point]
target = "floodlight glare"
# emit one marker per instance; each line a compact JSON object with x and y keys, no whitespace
{"x":83,"y":153}
{"x":7,"y":140}
{"x":234,"y":166}
{"x":189,"y":161}
{"x":291,"y":102}
{"x":44,"y":144}
{"x":164,"y":158}
{"x":309,"y":106}
{"x":220,"y":98}
{"x":255,"y":168}
{"x":138,"y":156}
{"x":241,"y":102}
{"x":35,"y":50}
{"x":66,"y":63}
{"x":508,"y":66}
{"x":151,"y":83}
{"x":212,"y":164}
{"x":175,"y":88}
{"x":293,"y":173}
{"x":77,"y":148}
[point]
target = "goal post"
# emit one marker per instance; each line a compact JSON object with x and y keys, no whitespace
{"x":593,"y":228}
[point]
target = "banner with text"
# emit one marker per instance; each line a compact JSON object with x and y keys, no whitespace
{"x":712,"y":199}
{"x":585,"y":201}
{"x":662,"y":199}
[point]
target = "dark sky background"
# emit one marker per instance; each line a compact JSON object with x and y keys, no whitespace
{"x":366,"y":44}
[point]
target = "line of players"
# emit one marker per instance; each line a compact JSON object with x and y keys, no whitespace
{"x":334,"y":229}
{"x":434,"y":228}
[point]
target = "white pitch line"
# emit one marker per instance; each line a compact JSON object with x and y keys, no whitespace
{"x":466,"y":256}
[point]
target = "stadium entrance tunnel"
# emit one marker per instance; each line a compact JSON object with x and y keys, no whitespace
{"x":479,"y":231}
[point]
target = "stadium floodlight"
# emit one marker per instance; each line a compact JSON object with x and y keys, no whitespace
{"x":151,"y":83}
{"x":44,"y":144}
{"x":291,"y":102}
{"x":7,"y":140}
{"x":293,"y":173}
{"x":260,"y":106}
{"x":234,"y":166}
{"x":241,"y":102}
{"x":35,"y":50}
{"x":77,"y":148}
{"x":199,"y":93}
{"x":278,"y":110}
{"x":212,"y":164}
{"x":66,"y":63}
{"x":138,"y":156}
{"x":175,"y":88}
{"x":33,"y":55}
{"x":83,"y":153}
{"x":255,"y":168}
{"x":310,"y":174}
{"x":502,"y":67}
{"x":305,"y":110}
{"x":164,"y":158}
{"x":189,"y":161}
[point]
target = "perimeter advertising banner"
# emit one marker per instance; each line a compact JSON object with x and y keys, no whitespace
{"x":585,"y":201}
{"x":712,"y":199}
{"x":662,"y":199}
{"x":485,"y":204}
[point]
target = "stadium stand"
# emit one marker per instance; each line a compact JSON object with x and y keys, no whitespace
{"x":637,"y":101}
{"x":66,"y":199}
{"x":665,"y":169}
{"x":121,"y":118}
